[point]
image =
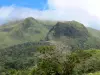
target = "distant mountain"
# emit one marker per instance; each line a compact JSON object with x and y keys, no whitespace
{"x":27,"y":30}
{"x":71,"y":29}
{"x":73,"y":34}
{"x":70,"y":33}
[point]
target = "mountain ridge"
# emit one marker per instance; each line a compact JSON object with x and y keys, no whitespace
{"x":73,"y":34}
{"x":33,"y":30}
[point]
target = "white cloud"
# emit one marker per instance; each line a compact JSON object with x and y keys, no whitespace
{"x":85,"y":11}
{"x":91,"y":6}
{"x":5,"y":11}
{"x":64,"y":4}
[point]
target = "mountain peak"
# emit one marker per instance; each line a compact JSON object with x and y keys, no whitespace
{"x":69,"y":29}
{"x":71,"y":33}
{"x":30,"y":18}
{"x":27,"y":22}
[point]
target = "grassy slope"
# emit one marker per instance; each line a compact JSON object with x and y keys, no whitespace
{"x":97,"y":73}
{"x":24,"y":31}
{"x":30,"y":29}
{"x":96,"y":53}
{"x":94,"y":32}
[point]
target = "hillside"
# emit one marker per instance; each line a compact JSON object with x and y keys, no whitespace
{"x":71,"y":29}
{"x":42,"y":47}
{"x":73,"y":34}
{"x":27,"y":30}
{"x":34,"y":59}
{"x":94,"y":32}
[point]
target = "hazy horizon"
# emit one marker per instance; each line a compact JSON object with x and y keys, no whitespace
{"x":84,"y":11}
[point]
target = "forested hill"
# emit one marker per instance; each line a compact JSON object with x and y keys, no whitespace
{"x":71,"y":33}
{"x":26,"y":30}
{"x":74,"y":34}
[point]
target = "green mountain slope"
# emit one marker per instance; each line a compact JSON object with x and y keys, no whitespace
{"x":23,"y":31}
{"x":25,"y":54}
{"x":73,"y":34}
{"x":94,"y":32}
{"x":71,"y":29}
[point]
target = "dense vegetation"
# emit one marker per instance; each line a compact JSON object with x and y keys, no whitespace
{"x":37,"y":47}
{"x":48,"y":60}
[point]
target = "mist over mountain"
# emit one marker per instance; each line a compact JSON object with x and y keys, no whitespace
{"x":33,"y":30}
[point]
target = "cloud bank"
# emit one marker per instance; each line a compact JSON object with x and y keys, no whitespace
{"x":84,"y":11}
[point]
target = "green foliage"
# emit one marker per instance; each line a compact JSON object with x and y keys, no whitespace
{"x":97,"y":73}
{"x":75,"y":63}
{"x":34,"y":59}
{"x":18,"y":57}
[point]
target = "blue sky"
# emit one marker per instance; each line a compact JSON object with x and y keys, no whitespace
{"x":35,"y":4}
{"x":84,"y":11}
